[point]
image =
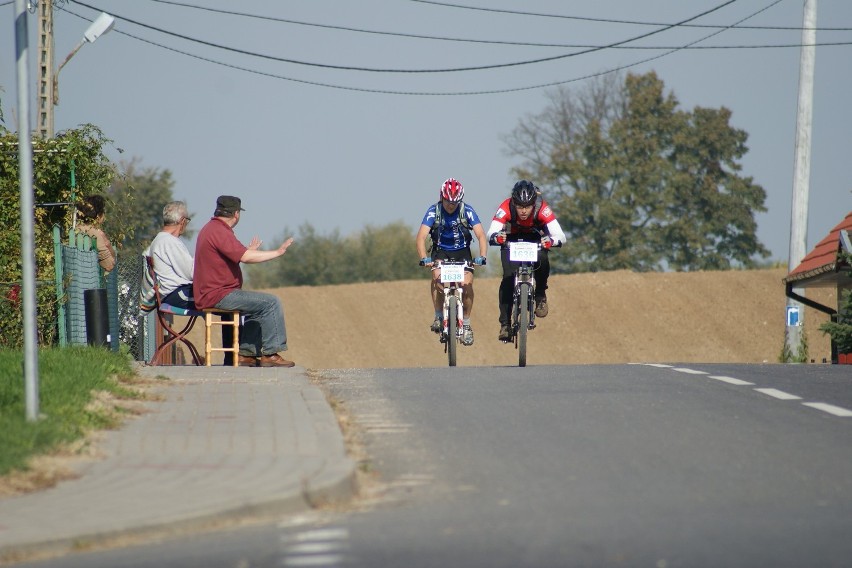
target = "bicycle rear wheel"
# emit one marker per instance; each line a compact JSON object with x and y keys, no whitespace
{"x":523,"y":322}
{"x":452,"y":330}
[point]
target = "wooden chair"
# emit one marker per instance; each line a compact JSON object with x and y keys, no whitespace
{"x":166,"y":311}
{"x":209,"y":322}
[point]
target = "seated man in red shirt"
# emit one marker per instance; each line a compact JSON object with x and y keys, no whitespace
{"x":218,"y":282}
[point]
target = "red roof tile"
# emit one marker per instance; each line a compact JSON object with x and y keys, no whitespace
{"x":823,"y":258}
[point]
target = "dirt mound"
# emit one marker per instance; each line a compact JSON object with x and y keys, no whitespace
{"x":605,"y":317}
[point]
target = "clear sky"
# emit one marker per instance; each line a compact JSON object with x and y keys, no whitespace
{"x":344,"y":148}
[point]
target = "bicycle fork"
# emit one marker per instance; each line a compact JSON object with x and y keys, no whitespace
{"x":456,"y":292}
{"x":526,"y":278}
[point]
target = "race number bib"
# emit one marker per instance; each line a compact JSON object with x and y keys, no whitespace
{"x":452,"y":273}
{"x":523,"y":252}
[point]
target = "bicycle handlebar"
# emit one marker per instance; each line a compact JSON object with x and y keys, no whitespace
{"x":507,"y":243}
{"x":540,"y":233}
{"x":438,"y":262}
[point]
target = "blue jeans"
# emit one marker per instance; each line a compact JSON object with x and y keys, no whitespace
{"x":263,"y":331}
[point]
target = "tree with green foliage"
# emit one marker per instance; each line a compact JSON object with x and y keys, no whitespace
{"x":136,"y":199}
{"x":65,"y":168}
{"x":840,"y":330}
{"x":375,"y":254}
{"x":638,"y":183}
{"x":385,"y":253}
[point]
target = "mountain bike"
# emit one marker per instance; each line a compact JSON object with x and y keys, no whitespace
{"x":525,"y":255}
{"x":452,"y":278}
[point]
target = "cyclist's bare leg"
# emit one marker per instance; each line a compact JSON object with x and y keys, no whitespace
{"x":467,"y":304}
{"x":437,"y":291}
{"x":467,"y":294}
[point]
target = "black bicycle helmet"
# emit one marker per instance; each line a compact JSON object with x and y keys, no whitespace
{"x":524,"y":193}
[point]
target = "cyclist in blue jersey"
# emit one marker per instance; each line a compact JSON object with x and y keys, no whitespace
{"x":449,"y":223}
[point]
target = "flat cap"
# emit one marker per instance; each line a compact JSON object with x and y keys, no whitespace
{"x":229,"y":204}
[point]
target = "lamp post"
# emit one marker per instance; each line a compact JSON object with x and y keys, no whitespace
{"x":25,"y":184}
{"x":99,"y":27}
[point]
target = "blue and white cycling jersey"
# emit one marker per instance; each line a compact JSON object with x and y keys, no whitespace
{"x":451,"y":233}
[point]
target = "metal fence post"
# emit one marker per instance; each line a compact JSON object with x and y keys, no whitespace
{"x":60,"y":287}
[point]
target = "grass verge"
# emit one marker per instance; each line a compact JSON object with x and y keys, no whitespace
{"x":73,"y":382}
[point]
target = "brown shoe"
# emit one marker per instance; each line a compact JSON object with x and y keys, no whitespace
{"x":245,"y":361}
{"x":541,"y":307}
{"x":274,"y":361}
{"x":505,"y":333}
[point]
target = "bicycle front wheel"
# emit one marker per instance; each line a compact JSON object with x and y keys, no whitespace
{"x":523,"y":322}
{"x":452,"y":330}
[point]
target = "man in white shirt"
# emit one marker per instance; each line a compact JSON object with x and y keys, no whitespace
{"x":173,"y":263}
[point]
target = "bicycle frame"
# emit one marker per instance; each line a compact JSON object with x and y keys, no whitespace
{"x":523,"y":303}
{"x":452,"y":277}
{"x":524,"y":276}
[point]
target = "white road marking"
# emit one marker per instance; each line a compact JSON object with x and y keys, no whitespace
{"x":775,"y":393}
{"x":316,"y":547}
{"x":730,"y":380}
{"x":658,"y":365}
{"x":830,"y":408}
{"x":779,"y":394}
{"x":689,"y":371}
{"x":319,"y":534}
{"x":320,"y":547}
{"x":322,"y":560}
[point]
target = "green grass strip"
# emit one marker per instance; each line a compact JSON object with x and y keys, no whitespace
{"x":67,"y":379}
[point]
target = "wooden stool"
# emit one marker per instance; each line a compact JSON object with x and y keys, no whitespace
{"x":209,"y":322}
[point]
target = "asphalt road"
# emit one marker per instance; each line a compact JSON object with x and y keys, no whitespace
{"x":623,"y":465}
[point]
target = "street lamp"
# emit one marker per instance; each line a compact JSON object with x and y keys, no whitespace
{"x":99,"y":27}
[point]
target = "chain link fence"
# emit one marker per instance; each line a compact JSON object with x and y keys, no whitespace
{"x":129,"y":327}
{"x":135,"y":328}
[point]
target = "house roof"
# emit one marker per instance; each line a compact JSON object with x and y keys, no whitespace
{"x":821,"y":266}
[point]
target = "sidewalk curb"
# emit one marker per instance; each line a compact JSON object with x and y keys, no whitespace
{"x":336,"y":487}
{"x":318,"y":473}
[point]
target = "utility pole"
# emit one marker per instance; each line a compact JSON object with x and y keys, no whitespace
{"x":25,"y":184}
{"x":46,"y":101}
{"x":801,"y":178}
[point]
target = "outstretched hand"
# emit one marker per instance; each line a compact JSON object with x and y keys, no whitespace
{"x":255,"y":244}
{"x":285,"y":245}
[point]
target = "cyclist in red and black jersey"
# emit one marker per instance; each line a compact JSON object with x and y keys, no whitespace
{"x":525,"y":216}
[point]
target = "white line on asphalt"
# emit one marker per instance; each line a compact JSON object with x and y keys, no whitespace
{"x":323,"y":560}
{"x":779,"y":394}
{"x":659,"y":365}
{"x":319,"y":534}
{"x":730,"y":380}
{"x":689,"y":371}
{"x":830,"y":408}
{"x":317,"y":547}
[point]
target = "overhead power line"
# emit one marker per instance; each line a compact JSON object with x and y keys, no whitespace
{"x":445,"y":70}
{"x":496,"y":42}
{"x":609,"y":20}
{"x":442,"y":93}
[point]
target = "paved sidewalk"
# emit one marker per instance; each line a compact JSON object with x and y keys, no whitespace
{"x":225,"y":444}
